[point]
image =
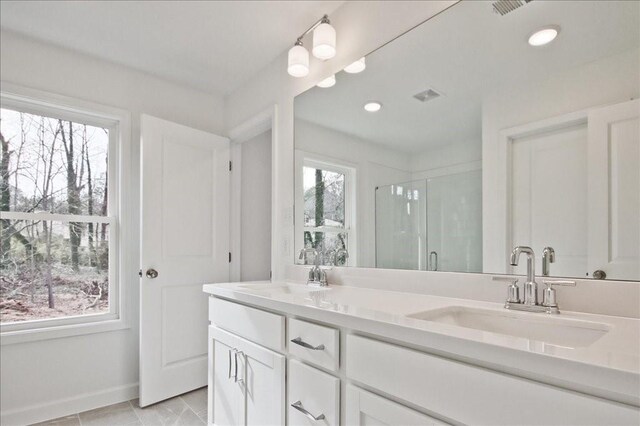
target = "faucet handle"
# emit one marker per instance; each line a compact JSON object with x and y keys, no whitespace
{"x":513,"y":291}
{"x":549,"y":283}
{"x":505,"y":278}
{"x":549,"y":294}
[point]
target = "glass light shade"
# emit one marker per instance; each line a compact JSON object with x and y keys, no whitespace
{"x":327,"y":82}
{"x":544,"y":35}
{"x":324,"y":42}
{"x":356,"y":67}
{"x":298,"y":64}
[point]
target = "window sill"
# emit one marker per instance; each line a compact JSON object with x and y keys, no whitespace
{"x":59,"y":331}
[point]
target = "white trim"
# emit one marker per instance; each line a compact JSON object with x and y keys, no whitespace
{"x":506,"y":137}
{"x":118,"y":121}
{"x":55,"y":217}
{"x":67,"y":406}
{"x":258,"y":124}
{"x":254,"y":126}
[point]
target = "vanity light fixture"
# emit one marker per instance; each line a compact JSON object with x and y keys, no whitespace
{"x":372,"y":106}
{"x":298,"y":64}
{"x":324,"y":40}
{"x":544,"y":35}
{"x":327,"y":82}
{"x":356,"y":67}
{"x":324,"y":47}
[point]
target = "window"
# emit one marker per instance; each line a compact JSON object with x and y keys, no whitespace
{"x":58,"y":223}
{"x":327,"y":211}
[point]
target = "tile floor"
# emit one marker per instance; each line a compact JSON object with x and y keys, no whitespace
{"x":189,"y":409}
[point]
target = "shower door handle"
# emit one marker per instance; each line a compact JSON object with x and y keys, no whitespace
{"x":433,"y":261}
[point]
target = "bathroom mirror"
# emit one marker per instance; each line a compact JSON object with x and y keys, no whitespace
{"x":452,"y":147}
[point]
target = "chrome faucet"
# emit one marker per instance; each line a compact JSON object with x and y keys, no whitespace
{"x":548,"y":257}
{"x":530,"y":302}
{"x":530,"y":287}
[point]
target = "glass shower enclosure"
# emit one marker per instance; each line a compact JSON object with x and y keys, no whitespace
{"x":432,"y":224}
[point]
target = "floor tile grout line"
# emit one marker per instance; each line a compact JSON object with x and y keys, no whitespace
{"x":135,"y":412}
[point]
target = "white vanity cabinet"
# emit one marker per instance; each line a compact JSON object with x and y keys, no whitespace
{"x":246,"y":382}
{"x":270,"y":368}
{"x":366,"y":408}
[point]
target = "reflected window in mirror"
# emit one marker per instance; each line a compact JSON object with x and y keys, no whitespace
{"x":327,"y":217}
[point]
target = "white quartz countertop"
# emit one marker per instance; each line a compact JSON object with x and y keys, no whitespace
{"x":609,"y":367}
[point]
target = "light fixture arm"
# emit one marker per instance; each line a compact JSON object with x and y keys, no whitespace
{"x":323,"y":20}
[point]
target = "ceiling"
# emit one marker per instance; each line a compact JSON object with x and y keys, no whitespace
{"x":213,"y":46}
{"x":465,"y":53}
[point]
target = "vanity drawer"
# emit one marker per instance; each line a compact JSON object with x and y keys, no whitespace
{"x":314,"y":343}
{"x":474,"y":395}
{"x":261,"y":327}
{"x":315,"y":393}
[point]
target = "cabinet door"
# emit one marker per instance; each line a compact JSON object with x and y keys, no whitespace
{"x":264,"y":376}
{"x":368,"y":409}
{"x":247,"y":382}
{"x":226,"y":394}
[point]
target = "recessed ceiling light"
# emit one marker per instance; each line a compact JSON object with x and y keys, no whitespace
{"x":356,"y":67}
{"x":372,"y":106}
{"x":327,"y":82}
{"x":544,"y":35}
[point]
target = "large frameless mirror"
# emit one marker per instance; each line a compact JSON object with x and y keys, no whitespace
{"x":476,"y":132}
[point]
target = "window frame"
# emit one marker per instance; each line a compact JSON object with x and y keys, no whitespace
{"x":349,"y":170}
{"x":117,"y":121}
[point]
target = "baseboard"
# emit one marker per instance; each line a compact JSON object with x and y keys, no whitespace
{"x":67,"y":406}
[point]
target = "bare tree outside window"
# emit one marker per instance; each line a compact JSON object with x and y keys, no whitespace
{"x":54,"y":244}
{"x":324,"y":209}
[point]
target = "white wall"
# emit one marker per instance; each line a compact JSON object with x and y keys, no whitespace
{"x":361,"y":27}
{"x":605,"y":81}
{"x":54,"y":377}
{"x":255,"y":210}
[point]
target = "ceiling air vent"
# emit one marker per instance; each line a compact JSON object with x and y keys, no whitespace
{"x":505,"y":6}
{"x":427,"y":95}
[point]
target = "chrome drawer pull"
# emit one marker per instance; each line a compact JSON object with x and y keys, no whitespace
{"x":299,"y":341}
{"x":298,"y":406}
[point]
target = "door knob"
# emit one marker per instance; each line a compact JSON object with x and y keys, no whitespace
{"x":599,"y":274}
{"x":151,"y":273}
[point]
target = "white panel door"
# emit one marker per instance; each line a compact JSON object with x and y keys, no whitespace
{"x":549,"y":196}
{"x":614,"y":190}
{"x":185,"y":239}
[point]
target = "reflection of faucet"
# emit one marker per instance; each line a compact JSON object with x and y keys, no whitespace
{"x":530,"y":287}
{"x":317,"y":276}
{"x":548,"y":257}
{"x":341,"y":253}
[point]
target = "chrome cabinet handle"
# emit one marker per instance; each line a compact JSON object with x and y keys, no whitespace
{"x":559,"y":282}
{"x":229,"y":364}
{"x":298,"y":406}
{"x":235,"y":356}
{"x":299,"y":341}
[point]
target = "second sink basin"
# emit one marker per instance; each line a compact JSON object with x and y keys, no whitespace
{"x":553,"y":330}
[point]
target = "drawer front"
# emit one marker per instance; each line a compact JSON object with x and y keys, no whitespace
{"x":314,"y":343}
{"x":314,"y":393}
{"x":365,"y":408}
{"x":261,"y":327}
{"x":474,"y":395}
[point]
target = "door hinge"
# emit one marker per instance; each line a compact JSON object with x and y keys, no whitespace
{"x":229,"y":257}
{"x":230,"y":166}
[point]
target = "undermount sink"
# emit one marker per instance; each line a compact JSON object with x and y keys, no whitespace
{"x":553,"y":330}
